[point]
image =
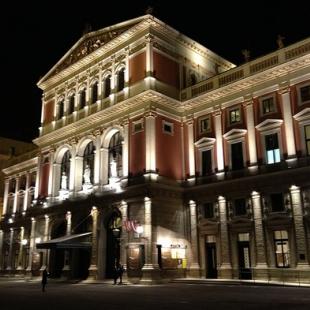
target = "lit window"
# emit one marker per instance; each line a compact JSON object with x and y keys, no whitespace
{"x":167,"y":128}
{"x":268,"y":105}
{"x":282,"y":250}
{"x":272,"y":149}
{"x":234,"y":116}
{"x":205,"y":125}
{"x":307,"y":137}
{"x":305,"y":94}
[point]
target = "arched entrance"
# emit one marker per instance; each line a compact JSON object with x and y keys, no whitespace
{"x":114,"y":231}
{"x":57,"y":256}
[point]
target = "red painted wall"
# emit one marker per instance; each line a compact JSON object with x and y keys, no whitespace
{"x":166,"y":70}
{"x":48,"y":112}
{"x":168,"y":150}
{"x":137,"y":68}
{"x":44,"y":175}
{"x":136,"y":151}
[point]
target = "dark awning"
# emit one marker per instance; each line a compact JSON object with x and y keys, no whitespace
{"x":77,"y":241}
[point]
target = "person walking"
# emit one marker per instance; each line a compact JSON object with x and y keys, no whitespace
{"x":44,"y":279}
{"x":120,"y":273}
{"x":115,"y":273}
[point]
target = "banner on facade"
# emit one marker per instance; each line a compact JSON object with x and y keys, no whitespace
{"x":131,"y":225}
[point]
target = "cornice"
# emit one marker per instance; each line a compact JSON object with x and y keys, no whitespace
{"x":21,"y":166}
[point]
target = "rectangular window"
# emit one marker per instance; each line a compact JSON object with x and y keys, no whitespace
{"x":240,"y":207}
{"x":137,"y":126}
{"x":272,"y":149}
{"x":234,"y":116}
{"x":307,"y":137}
{"x":282,"y":250}
{"x":208,"y":210}
{"x":167,"y":127}
{"x":206,"y":161}
{"x":277,"y":202}
{"x":268,"y":105}
{"x":236,"y":156}
{"x":205,"y":125}
{"x":305,"y":94}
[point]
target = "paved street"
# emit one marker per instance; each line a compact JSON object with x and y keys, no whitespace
{"x":28,"y":295}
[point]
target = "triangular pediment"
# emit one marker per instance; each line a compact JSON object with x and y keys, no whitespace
{"x":269,"y":124}
{"x":303,"y":115}
{"x":89,"y":43}
{"x":234,"y":134}
{"x":203,"y":142}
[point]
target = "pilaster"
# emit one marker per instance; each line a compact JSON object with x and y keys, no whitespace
{"x":219,"y":140}
{"x":93,"y":268}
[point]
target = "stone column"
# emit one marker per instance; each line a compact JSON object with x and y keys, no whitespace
{"x":26,"y":197}
{"x":124,"y":235}
{"x":219,"y":140}
{"x":97,"y":158}
{"x":150,"y":142}
{"x":31,"y":246}
{"x":93,"y":268}
{"x":100,"y":88}
{"x":261,"y":262}
{"x":21,"y":248}
{"x":16,"y":196}
{"x":45,"y":238}
{"x":113,"y":81}
{"x":149,"y":80}
{"x":104,"y":171}
{"x":9,"y":266}
{"x":1,"y":250}
{"x":6,"y":195}
{"x":126,"y":77}
{"x":225,"y":271}
{"x":191,"y":148}
{"x":51,"y":192}
{"x":66,"y":268}
{"x":300,"y":233}
{"x":194,"y":268}
{"x":251,"y":132}
{"x":150,"y":268}
{"x":288,"y":122}
{"x":78,"y":173}
{"x":72,"y":167}
{"x":125,"y":149}
{"x":37,"y":185}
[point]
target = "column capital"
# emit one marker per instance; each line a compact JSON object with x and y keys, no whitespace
{"x":221,"y":199}
{"x":295,"y":189}
{"x":217,"y":111}
{"x":284,"y":87}
{"x":255,"y":194}
{"x":96,"y":132}
{"x":149,"y":38}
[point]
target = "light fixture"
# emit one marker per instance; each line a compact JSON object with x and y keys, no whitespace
{"x":139,"y":229}
{"x":24,"y":241}
{"x":37,"y":240}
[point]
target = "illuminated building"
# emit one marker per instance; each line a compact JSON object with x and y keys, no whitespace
{"x":157,"y":153}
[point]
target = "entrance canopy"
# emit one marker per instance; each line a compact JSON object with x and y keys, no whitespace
{"x":78,"y":241}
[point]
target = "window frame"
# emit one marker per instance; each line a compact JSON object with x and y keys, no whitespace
{"x":232,"y":109}
{"x":170,"y":124}
{"x":273,"y":150}
{"x":205,"y":130}
{"x":283,"y":254}
{"x":261,"y":103}
{"x":298,"y":89}
{"x":137,"y":122}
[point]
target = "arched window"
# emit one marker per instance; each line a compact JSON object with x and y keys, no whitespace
{"x":121,"y":79}
{"x":71,"y":104}
{"x":115,"y":156}
{"x":82,"y":98}
{"x":107,"y":86}
{"x":65,"y":170}
{"x":60,"y":109}
{"x":88,"y":160}
{"x":94,"y":93}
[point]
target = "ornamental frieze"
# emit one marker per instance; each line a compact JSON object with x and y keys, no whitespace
{"x":87,"y":46}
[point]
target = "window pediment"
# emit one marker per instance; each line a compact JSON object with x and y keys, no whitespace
{"x":303,"y":115}
{"x":204,"y":142}
{"x":269,"y":124}
{"x":234,"y":134}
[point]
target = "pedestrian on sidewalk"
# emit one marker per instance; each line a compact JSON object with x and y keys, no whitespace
{"x":120,"y":273}
{"x":44,"y":279}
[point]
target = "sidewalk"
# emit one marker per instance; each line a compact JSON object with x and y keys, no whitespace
{"x":238,"y":282}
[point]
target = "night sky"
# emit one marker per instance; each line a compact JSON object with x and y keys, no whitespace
{"x":36,"y":34}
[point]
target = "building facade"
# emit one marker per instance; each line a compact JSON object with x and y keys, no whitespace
{"x":156,"y":153}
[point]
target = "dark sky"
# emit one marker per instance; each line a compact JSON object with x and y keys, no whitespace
{"x":36,"y":34}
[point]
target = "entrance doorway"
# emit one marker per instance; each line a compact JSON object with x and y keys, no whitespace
{"x":244,"y":257}
{"x":114,"y":231}
{"x":57,"y":256}
{"x":211,"y":269}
